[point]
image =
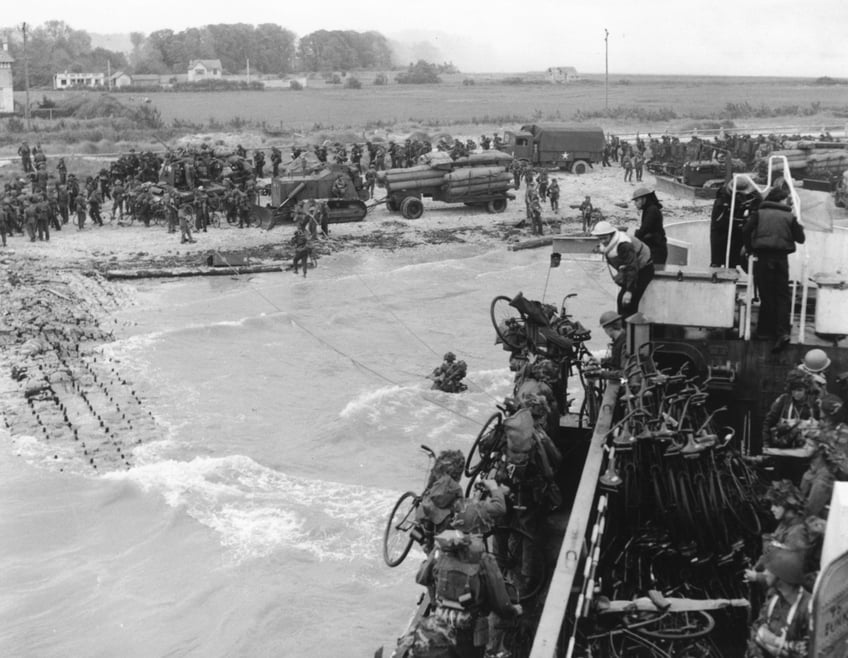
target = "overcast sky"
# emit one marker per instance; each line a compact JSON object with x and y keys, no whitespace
{"x":713,"y":37}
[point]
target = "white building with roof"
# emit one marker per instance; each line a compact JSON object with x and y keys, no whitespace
{"x":560,"y":74}
{"x":204,"y":69}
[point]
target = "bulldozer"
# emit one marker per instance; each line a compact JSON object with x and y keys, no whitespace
{"x":339,"y":185}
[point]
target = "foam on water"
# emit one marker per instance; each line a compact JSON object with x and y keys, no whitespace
{"x":258,"y":511}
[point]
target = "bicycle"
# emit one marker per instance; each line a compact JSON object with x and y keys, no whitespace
{"x":402,"y":528}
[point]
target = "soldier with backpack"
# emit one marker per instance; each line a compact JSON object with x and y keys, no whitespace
{"x":466,"y":584}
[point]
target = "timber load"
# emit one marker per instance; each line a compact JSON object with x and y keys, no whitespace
{"x":479,"y":179}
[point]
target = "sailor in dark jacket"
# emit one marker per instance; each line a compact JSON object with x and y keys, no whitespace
{"x":651,"y":230}
{"x":771,"y":233}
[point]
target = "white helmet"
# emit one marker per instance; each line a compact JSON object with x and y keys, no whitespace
{"x":602,"y":228}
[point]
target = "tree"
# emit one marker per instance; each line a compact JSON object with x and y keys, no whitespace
{"x":420,"y":73}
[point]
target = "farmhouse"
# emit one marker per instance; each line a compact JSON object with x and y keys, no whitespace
{"x":120,"y":79}
{"x":68,"y":80}
{"x":560,"y":74}
{"x":204,"y":69}
{"x":7,"y":98}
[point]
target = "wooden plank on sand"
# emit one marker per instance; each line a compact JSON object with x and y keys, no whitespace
{"x":190,"y":271}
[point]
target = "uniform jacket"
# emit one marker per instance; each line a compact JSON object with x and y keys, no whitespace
{"x":651,"y":230}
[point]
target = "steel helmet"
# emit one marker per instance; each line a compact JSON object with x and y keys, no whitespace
{"x":602,"y":228}
{"x":785,"y":563}
{"x":816,"y":361}
{"x":608,"y":317}
{"x":795,"y":379}
{"x":640,"y":191}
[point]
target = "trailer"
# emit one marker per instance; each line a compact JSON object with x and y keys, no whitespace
{"x":477,"y":180}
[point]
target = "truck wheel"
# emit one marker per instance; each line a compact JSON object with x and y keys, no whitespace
{"x":411,"y":207}
{"x":580,"y":167}
{"x":392,"y":204}
{"x":496,"y":205}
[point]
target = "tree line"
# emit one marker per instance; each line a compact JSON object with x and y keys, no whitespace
{"x":269,"y":48}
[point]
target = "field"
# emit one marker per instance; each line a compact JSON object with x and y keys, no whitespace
{"x":490,"y":101}
{"x":656,"y":104}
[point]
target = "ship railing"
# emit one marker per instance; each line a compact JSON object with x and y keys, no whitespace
{"x":777,"y":165}
{"x":552,"y":623}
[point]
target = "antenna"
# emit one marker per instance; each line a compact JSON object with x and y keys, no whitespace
{"x":24,"y":28}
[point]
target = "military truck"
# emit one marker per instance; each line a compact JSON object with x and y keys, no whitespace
{"x":569,"y":147}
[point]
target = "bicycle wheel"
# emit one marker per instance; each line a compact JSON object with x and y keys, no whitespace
{"x":487,"y":438}
{"x":689,"y":625}
{"x":520,"y":559}
{"x":397,"y":537}
{"x":508,"y":322}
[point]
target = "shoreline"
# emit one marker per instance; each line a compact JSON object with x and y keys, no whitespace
{"x":61,"y":388}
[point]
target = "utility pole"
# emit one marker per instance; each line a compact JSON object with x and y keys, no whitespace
{"x":606,"y":69}
{"x":24,"y":28}
{"x":248,"y":70}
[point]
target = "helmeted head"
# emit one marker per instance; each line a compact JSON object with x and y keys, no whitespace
{"x":603,"y":229}
{"x":640,"y":192}
{"x":785,"y":494}
{"x":610,"y":319}
{"x":816,"y":361}
{"x":786,"y":564}
{"x":450,"y":357}
{"x":796,"y":381}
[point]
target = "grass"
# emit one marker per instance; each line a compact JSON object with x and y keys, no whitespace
{"x":493,"y":102}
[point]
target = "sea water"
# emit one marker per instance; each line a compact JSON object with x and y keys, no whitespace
{"x":291,"y":412}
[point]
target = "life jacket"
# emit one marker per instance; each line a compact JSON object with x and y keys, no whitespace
{"x":643,"y":253}
{"x":774,"y":229}
{"x":458,"y":581}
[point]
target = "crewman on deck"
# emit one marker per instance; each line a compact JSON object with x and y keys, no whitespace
{"x":631,"y":263}
{"x":613,"y":326}
{"x":790,"y":414}
{"x":771,"y":234}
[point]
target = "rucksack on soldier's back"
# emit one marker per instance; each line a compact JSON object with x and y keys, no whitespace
{"x":520,"y":437}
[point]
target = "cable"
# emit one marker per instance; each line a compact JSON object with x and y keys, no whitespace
{"x":350,"y":358}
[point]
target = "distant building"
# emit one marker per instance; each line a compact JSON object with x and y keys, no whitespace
{"x":204,"y":69}
{"x":7,"y":97}
{"x":70,"y":80}
{"x":120,"y":79}
{"x":146,"y":80}
{"x":560,"y":74}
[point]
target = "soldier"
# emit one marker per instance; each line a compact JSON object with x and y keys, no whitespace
{"x":241,"y":152}
{"x":30,"y":219}
{"x":485,"y":142}
{"x":324,"y":218}
{"x":830,"y":457}
{"x":186,"y":212}
{"x":41,"y":218}
{"x":371,"y":180}
{"x":586,"y":213}
{"x":543,"y":186}
{"x":276,"y":159}
{"x":94,"y":201}
{"x":534,"y":212}
{"x":553,"y":194}
{"x":302,"y":250}
{"x":244,"y":210}
{"x":259,"y":163}
{"x":201,"y":209}
{"x":80,"y":207}
{"x":63,"y":201}
{"x":516,"y":168}
{"x":62,"y":169}
{"x":171,"y":210}
{"x":4,"y":222}
{"x":26,"y":157}
{"x":118,"y":198}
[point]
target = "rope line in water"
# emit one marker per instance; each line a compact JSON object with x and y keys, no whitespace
{"x":359,"y":364}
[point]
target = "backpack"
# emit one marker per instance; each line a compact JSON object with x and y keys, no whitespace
{"x":458,"y":582}
{"x":520,"y":437}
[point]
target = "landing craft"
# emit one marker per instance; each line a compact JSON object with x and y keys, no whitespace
{"x":665,"y":508}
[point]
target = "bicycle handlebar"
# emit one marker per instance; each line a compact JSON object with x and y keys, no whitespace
{"x":428,"y":450}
